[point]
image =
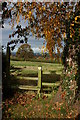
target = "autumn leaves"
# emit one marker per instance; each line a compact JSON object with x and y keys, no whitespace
{"x":47,"y":20}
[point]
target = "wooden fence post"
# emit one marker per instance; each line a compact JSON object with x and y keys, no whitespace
{"x":39,"y":79}
{"x":8,"y":64}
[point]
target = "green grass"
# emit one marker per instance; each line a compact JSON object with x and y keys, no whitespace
{"x":29,"y":63}
{"x":51,"y":72}
{"x":33,"y":66}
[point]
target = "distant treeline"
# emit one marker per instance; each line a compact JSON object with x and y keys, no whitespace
{"x":39,"y":54}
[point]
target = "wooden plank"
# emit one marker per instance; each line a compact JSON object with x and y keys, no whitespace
{"x":28,"y":78}
{"x":49,"y":95}
{"x":46,"y":89}
{"x":40,"y":77}
{"x":25,"y":87}
{"x":50,"y":84}
{"x":46,"y":72}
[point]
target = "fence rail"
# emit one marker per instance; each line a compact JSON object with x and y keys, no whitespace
{"x":40,"y":84}
{"x":25,"y":87}
{"x":50,"y":84}
{"x":28,"y":78}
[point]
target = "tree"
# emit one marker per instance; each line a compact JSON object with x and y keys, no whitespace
{"x":45,"y":20}
{"x":71,"y":51}
{"x":25,"y":51}
{"x":48,"y":20}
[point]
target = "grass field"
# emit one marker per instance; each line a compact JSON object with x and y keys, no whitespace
{"x":31,"y":67}
{"x":51,"y":72}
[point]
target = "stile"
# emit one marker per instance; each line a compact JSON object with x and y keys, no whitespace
{"x":38,"y":88}
{"x":39,"y":79}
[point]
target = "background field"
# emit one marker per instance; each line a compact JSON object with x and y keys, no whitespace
{"x":51,"y":72}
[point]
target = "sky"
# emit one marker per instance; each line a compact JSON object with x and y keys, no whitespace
{"x":35,"y":43}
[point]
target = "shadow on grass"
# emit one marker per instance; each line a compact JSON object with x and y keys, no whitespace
{"x":8,"y":90}
{"x":52,"y":72}
{"x":15,"y":68}
{"x":30,"y":75}
{"x":51,"y":78}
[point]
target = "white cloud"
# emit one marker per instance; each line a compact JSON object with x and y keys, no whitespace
{"x":36,"y":50}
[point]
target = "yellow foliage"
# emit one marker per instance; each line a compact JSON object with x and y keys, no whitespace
{"x":76,"y":18}
{"x":30,"y":13}
{"x":72,"y":24}
{"x":40,"y":9}
{"x":45,"y":23}
{"x":71,"y":36}
{"x":44,"y":8}
{"x":17,"y":20}
{"x":64,"y":34}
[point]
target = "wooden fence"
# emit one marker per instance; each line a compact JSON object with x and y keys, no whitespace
{"x":37,"y":88}
{"x":40,"y":84}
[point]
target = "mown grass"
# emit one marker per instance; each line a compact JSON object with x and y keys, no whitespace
{"x":33,"y":66}
{"x":51,"y":72}
{"x":29,"y":63}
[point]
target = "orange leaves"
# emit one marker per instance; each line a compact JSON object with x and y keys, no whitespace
{"x":18,"y":18}
{"x":64,"y":35}
{"x":58,"y":50}
{"x":59,"y":42}
{"x":50,"y":48}
{"x":76,"y":18}
{"x":30,"y":13}
{"x":71,"y":31}
{"x":45,"y":18}
{"x":59,"y":108}
{"x":68,"y":15}
{"x":55,"y":7}
{"x":70,"y":35}
{"x":63,"y":94}
{"x":72,"y":24}
{"x":44,"y":8}
{"x":18,"y":3}
{"x":40,"y":8}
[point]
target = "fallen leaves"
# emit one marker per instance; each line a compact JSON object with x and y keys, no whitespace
{"x":24,"y":106}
